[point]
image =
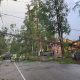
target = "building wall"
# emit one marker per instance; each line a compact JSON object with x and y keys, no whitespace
{"x":56,"y":49}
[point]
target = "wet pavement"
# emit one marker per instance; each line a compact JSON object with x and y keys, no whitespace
{"x":8,"y":71}
{"x":39,"y":71}
{"x":50,"y":71}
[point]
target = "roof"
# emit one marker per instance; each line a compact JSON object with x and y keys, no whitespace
{"x":68,"y":40}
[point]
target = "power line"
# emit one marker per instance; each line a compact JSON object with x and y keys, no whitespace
{"x":75,"y":29}
{"x":23,"y":37}
{"x":20,"y":1}
{"x":22,"y":18}
{"x":5,"y":33}
{"x":2,"y":20}
{"x":12,"y":16}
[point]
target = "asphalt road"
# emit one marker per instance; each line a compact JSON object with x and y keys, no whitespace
{"x":8,"y":71}
{"x":39,"y":71}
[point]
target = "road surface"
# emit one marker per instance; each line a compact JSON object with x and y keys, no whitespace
{"x":38,"y":71}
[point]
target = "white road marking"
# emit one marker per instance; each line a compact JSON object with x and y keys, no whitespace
{"x":19,"y":71}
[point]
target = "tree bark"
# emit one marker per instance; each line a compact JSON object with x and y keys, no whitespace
{"x":59,"y":29}
{"x":62,"y":47}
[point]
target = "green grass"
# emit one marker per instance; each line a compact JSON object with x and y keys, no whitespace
{"x":66,"y":61}
{"x":29,"y":61}
{"x":36,"y":58}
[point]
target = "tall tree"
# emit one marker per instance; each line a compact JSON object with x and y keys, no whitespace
{"x":58,"y":17}
{"x":3,"y":44}
{"x":77,"y":6}
{"x":36,"y":21}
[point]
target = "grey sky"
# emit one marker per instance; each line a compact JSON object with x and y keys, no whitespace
{"x":74,"y":20}
{"x":19,"y":9}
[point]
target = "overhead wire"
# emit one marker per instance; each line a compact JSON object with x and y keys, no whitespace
{"x":19,"y":18}
{"x":12,"y":15}
{"x":19,"y":1}
{"x":24,"y":18}
{"x":75,"y":29}
{"x":2,"y":20}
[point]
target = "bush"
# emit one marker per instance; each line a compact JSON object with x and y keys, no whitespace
{"x":33,"y":58}
{"x":66,"y":61}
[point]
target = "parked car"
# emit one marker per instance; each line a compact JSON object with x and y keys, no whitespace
{"x":47,"y":53}
{"x":76,"y":55}
{"x":7,"y":56}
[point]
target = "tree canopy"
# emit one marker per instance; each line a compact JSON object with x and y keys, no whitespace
{"x":58,"y":17}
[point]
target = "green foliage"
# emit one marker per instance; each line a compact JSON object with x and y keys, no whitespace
{"x":66,"y":45}
{"x":3,"y":44}
{"x":77,"y":6}
{"x":14,"y":46}
{"x":58,"y":11}
{"x":35,"y":29}
{"x":66,"y":61}
{"x":42,"y":21}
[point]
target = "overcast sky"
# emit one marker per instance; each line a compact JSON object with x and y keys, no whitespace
{"x":19,"y":8}
{"x":74,"y":20}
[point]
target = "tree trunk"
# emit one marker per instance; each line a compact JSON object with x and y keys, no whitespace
{"x":62,"y":47}
{"x":59,"y":25}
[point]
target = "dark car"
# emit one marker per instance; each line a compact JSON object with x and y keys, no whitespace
{"x":7,"y":56}
{"x":76,"y":55}
{"x":47,"y":53}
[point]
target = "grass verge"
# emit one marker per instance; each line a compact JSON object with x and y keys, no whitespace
{"x":66,"y":61}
